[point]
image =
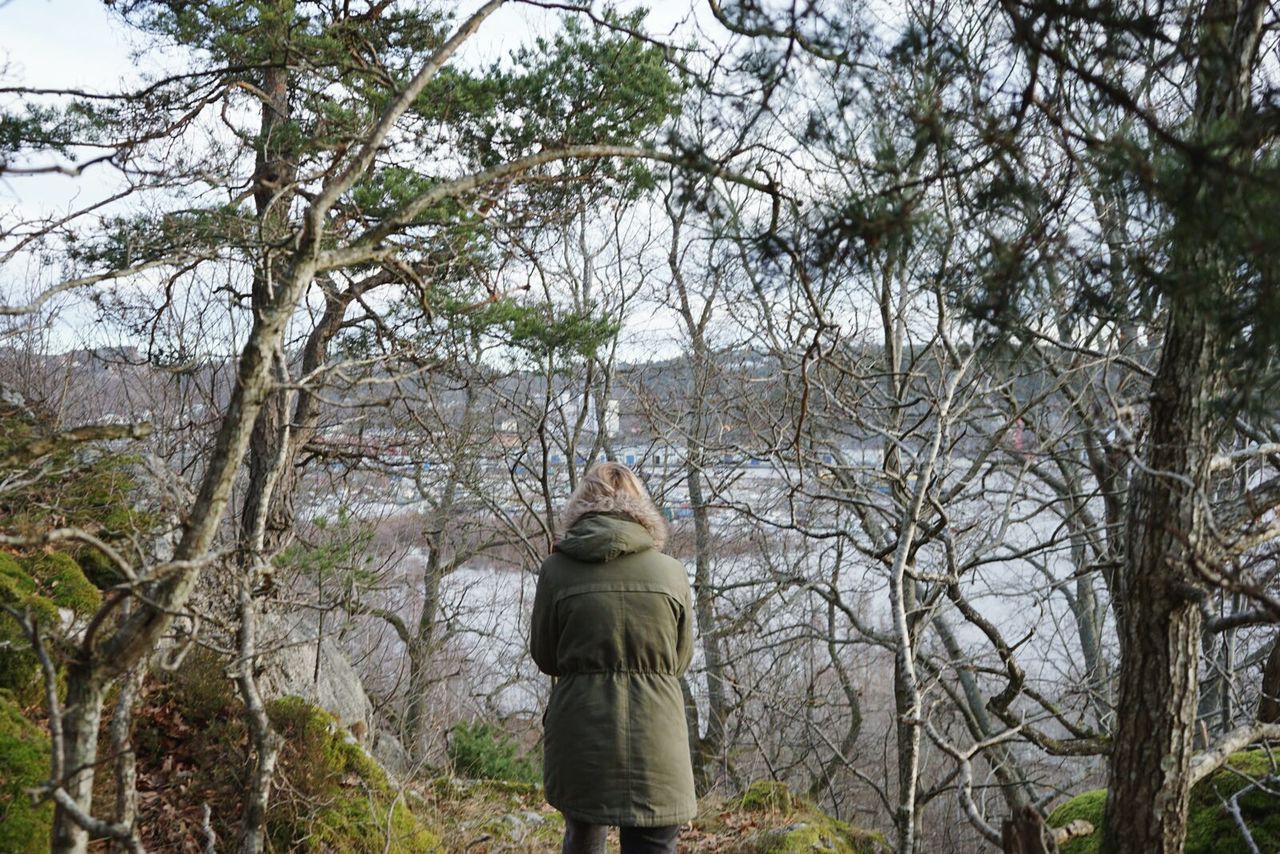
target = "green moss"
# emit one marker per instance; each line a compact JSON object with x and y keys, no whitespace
{"x":24,"y":763}
{"x":330,"y":796}
{"x":803,"y":827}
{"x":815,"y":833}
{"x":338,"y":798}
{"x":19,"y":668}
{"x":64,"y":583}
{"x":767,"y":796}
{"x":45,"y":583}
{"x":1088,"y":806}
{"x":16,"y":584}
{"x":74,"y":485}
{"x":1210,"y":828}
{"x":85,"y":489}
{"x":98,"y":568}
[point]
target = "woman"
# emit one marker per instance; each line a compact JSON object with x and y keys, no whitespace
{"x":611,"y":623}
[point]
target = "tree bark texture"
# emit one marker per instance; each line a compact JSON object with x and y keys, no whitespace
{"x":424,"y":644}
{"x":1160,"y":621}
{"x":264,"y":741}
{"x":1025,"y":832}
{"x":81,"y":715}
{"x":711,"y":743}
{"x":705,"y":747}
{"x":126,"y":766}
{"x":1169,"y":534}
{"x":1269,"y":704}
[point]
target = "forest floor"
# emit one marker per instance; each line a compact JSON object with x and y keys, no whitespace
{"x":494,"y":817}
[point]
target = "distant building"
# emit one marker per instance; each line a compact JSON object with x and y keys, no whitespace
{"x":612,"y":417}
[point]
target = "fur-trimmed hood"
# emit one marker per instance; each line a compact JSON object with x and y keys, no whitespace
{"x":640,"y":512}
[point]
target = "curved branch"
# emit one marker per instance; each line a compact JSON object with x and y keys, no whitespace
{"x":1239,"y":738}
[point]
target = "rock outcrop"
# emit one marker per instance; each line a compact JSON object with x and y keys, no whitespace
{"x":297,"y":661}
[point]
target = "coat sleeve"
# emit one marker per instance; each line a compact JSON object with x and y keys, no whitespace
{"x":544,"y":634}
{"x":684,"y":633}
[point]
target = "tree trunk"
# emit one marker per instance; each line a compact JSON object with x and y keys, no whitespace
{"x":81,"y":715}
{"x":100,"y":660}
{"x":1159,"y":613}
{"x":1026,"y":833}
{"x":711,"y":743}
{"x":266,"y":518}
{"x":264,"y":741}
{"x":1160,"y":622}
{"x":907,"y":705}
{"x":421,"y":652}
{"x":423,"y":646}
{"x":126,"y":770}
{"x":1269,"y":705}
{"x":706,"y":748}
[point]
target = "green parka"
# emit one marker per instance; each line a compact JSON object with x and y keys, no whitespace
{"x":611,"y":623}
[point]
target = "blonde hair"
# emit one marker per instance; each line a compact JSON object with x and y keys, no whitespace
{"x":614,"y":488}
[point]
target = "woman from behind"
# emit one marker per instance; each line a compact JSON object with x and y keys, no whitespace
{"x":612,"y":626}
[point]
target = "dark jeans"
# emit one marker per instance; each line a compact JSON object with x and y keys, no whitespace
{"x":581,"y":838}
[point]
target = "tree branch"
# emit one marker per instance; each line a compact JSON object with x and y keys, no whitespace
{"x":1214,"y":758}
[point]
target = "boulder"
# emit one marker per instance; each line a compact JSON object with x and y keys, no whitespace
{"x":289,"y":647}
{"x":390,"y":754}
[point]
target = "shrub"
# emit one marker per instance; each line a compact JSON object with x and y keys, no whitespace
{"x":483,"y":751}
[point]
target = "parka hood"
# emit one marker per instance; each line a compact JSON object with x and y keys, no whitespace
{"x":598,"y":538}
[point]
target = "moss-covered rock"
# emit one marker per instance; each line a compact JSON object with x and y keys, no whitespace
{"x":767,"y":796}
{"x":40,"y":585}
{"x":69,"y":483}
{"x":814,"y":833}
{"x":193,"y":747}
{"x":1210,"y":828}
{"x":46,"y":582}
{"x":98,"y":568}
{"x":338,"y":799}
{"x":767,"y":818}
{"x":18,"y":588}
{"x":24,"y":763}
{"x":63,"y":582}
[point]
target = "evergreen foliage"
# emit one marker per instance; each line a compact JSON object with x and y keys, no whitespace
{"x":482,"y":750}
